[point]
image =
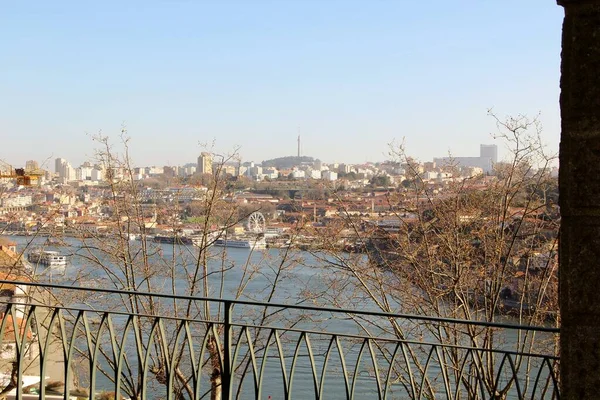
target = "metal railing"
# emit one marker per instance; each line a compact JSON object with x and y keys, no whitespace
{"x":90,"y":342}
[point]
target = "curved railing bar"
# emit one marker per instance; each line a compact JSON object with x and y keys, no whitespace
{"x":515,"y":377}
{"x":146,"y":357}
{"x":129,"y":325}
{"x":324,"y":369}
{"x":444,"y":374}
{"x":173,"y":359}
{"x":390,"y":370}
{"x":45,"y":350}
{"x":263,"y":363}
{"x":551,"y":375}
{"x":23,"y":348}
{"x":253,"y":359}
{"x":424,"y":378}
{"x":294,"y":360}
{"x":313,"y":365}
{"x":375,"y":367}
{"x":355,"y":375}
{"x":116,"y":351}
{"x":237,"y":351}
{"x":68,"y":353}
{"x":282,"y":363}
{"x":245,"y":332}
{"x":497,"y":380}
{"x":96,"y":347}
{"x":343,"y":364}
{"x":198,"y":378}
{"x":477,"y":371}
{"x":164,"y":348}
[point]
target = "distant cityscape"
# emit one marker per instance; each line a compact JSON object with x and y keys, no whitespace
{"x":298,"y":167}
{"x":29,"y":195}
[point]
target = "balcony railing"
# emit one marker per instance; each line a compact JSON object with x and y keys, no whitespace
{"x":89,"y":342}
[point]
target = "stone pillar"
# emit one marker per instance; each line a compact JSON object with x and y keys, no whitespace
{"x":579,"y":185}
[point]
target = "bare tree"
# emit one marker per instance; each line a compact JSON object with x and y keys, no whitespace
{"x":483,"y":249}
{"x":112,"y":260}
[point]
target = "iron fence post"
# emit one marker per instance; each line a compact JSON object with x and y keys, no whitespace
{"x":226,"y":374}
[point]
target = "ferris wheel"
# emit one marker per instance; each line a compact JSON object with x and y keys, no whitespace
{"x":256,"y":222}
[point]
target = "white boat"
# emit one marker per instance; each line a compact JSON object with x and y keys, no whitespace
{"x":49,"y":258}
{"x":242,"y":243}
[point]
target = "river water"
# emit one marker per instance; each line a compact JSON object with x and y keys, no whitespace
{"x":298,"y":277}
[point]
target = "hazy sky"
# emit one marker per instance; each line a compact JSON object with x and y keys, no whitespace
{"x":349,"y":76}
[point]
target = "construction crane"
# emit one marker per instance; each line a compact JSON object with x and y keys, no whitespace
{"x":24,"y":177}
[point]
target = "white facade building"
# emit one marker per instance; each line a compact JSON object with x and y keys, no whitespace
{"x":97,"y":174}
{"x":488,"y":156}
{"x":315,"y":174}
{"x":16,"y":201}
{"x":329,"y":175}
{"x":271,"y":173}
{"x":298,"y":174}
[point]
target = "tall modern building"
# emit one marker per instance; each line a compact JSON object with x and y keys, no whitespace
{"x":64,"y":170}
{"x":59,"y":165}
{"x":488,"y":156}
{"x":205,"y":163}
{"x":489,"y":151}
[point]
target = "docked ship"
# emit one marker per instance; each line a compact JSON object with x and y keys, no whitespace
{"x":242,"y":243}
{"x":172,"y":239}
{"x":49,"y":258}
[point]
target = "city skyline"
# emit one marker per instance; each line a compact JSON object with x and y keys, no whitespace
{"x":348,"y":79}
{"x":205,"y":160}
{"x":292,"y":167}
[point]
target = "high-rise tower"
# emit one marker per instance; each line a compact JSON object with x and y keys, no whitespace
{"x":490,"y":151}
{"x":205,"y":163}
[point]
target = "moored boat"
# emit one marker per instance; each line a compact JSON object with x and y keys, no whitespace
{"x":242,"y":243}
{"x":172,"y":239}
{"x":49,"y":258}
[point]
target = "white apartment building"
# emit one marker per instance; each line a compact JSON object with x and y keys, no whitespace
{"x":430,"y":175}
{"x":97,"y":173}
{"x":329,"y":175}
{"x":298,"y":174}
{"x":255,"y":171}
{"x":271,"y":173}
{"x":15,"y":201}
{"x":190,"y":170}
{"x":84,"y":173}
{"x":471,"y":172}
{"x":314,"y":173}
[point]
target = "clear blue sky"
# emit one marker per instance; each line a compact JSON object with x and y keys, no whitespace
{"x":350,"y":76}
